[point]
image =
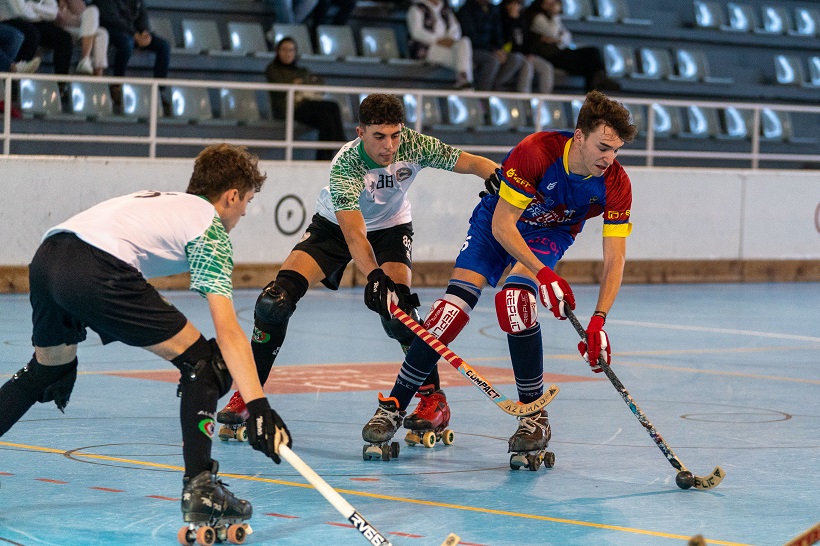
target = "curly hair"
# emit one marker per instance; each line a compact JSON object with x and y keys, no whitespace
{"x":222,"y":167}
{"x":381,"y":109}
{"x":599,"y":109}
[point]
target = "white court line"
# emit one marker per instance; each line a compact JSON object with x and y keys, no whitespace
{"x":715,"y":330}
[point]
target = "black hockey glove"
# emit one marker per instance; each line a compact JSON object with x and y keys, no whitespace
{"x":379,"y":291}
{"x":266,"y":430}
{"x":492,"y":183}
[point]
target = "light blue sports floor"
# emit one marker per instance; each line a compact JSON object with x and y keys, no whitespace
{"x":729,"y":374}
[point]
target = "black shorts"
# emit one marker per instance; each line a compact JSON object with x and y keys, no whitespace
{"x":75,"y":285}
{"x":325,"y":243}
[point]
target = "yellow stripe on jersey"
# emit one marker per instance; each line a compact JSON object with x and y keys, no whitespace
{"x":513,"y":197}
{"x":617,"y":230}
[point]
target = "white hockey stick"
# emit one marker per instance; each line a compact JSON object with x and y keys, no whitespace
{"x":370,"y":533}
{"x":508,"y":406}
{"x":685,"y":479}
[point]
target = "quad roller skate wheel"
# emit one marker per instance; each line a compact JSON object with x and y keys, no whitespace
{"x":228,"y":432}
{"x":205,"y":535}
{"x":448,"y":436}
{"x":549,"y":459}
{"x":411,"y":438}
{"x":385,"y":452}
{"x":236,"y":534}
{"x":429,"y":439}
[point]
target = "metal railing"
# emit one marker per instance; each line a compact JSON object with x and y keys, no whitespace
{"x":649,"y":139}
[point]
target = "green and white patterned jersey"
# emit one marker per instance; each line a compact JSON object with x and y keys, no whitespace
{"x":159,"y":234}
{"x":359,"y":183}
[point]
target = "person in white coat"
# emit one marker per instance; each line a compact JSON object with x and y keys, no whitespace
{"x":435,"y":36}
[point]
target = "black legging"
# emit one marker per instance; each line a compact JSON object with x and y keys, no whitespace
{"x":48,"y":35}
{"x":325,"y":116}
{"x":584,"y":61}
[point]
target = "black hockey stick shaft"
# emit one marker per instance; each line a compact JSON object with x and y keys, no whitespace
{"x":700,"y":482}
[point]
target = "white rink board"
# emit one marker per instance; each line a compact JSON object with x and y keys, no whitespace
{"x":677,"y":213}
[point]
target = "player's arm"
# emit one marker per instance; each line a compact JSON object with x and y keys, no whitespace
{"x":355,"y":232}
{"x":475,"y":164}
{"x":235,"y":347}
{"x":613,"y":272}
{"x":506,"y":232}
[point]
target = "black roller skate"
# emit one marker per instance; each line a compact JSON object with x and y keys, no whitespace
{"x":213,"y":513}
{"x":380,"y":430}
{"x":233,"y":417}
{"x":428,"y":422}
{"x":528,"y":444}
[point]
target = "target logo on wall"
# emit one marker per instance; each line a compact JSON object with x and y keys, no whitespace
{"x":290,"y":215}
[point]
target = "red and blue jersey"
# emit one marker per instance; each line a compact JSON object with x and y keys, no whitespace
{"x":536,"y":178}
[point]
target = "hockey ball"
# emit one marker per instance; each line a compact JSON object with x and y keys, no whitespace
{"x":685,"y":479}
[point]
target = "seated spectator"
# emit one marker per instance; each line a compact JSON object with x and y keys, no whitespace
{"x":344,"y":8}
{"x":309,"y":109}
{"x":435,"y":36}
{"x":83,"y":23}
{"x":537,"y":74}
{"x":10,"y":41}
{"x":552,"y":41}
{"x":127,"y":24}
{"x":35,"y":19}
{"x":495,"y":67}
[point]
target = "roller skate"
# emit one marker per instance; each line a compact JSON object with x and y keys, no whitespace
{"x":233,"y":417}
{"x":528,"y":444}
{"x":212,"y":513}
{"x":380,"y":430}
{"x":428,"y":422}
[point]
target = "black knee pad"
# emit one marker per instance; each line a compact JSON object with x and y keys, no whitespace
{"x":276,"y":303}
{"x":212,"y":370}
{"x":48,"y":383}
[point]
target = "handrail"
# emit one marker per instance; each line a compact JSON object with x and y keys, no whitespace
{"x":650,"y":151}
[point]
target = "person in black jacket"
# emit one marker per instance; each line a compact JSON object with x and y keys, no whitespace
{"x":494,"y":66}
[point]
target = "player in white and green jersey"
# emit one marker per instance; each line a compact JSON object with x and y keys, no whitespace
{"x":91,"y":271}
{"x":362,"y":215}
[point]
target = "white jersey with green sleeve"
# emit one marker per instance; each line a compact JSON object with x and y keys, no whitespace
{"x":160,"y":233}
{"x":380,"y":193}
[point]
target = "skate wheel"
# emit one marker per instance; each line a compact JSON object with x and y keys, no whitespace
{"x":429,"y":439}
{"x":411,"y":438}
{"x":386,"y":452}
{"x":183,"y":537}
{"x":448,"y":437}
{"x":236,"y":534}
{"x":534,"y":461}
{"x":205,"y":535}
{"x":549,"y":459}
{"x":225,"y":433}
{"x":365,"y":454}
{"x":515,"y":462}
{"x":242,"y":434}
{"x":394,"y":449}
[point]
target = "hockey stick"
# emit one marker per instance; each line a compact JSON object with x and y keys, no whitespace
{"x":685,"y":479}
{"x":370,"y":533}
{"x":509,"y":406}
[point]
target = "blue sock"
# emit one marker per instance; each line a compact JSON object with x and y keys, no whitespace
{"x":526,"y":350}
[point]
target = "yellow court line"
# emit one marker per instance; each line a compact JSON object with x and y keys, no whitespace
{"x":386,"y":497}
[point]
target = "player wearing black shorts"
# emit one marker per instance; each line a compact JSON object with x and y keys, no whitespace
{"x":363,"y":215}
{"x":91,"y":271}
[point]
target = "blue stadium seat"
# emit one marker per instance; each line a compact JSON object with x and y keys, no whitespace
{"x":576,"y":9}
{"x":788,"y":70}
{"x":742,"y":18}
{"x":239,"y":105}
{"x":692,"y":65}
{"x":814,"y":71}
{"x":39,"y":98}
{"x":382,"y":43}
{"x":806,"y":22}
{"x":462,"y":113}
{"x":655,"y":64}
{"x":91,"y":100}
{"x":200,"y":36}
{"x":667,"y":121}
{"x":337,"y":42}
{"x":190,"y":105}
{"x":300,"y":35}
{"x":699,"y":122}
{"x":507,"y":115}
{"x":708,"y":14}
{"x":615,"y":11}
{"x":774,"y":20}
{"x":620,"y":60}
{"x":248,"y":38}
{"x":735,"y":123}
{"x":552,"y":115}
{"x":430,"y":111}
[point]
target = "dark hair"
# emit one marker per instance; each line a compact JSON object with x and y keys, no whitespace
{"x":283,"y":40}
{"x":222,"y":167}
{"x":381,"y":109}
{"x":599,"y":109}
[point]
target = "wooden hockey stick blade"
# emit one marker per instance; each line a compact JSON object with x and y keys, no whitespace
{"x":806,"y":538}
{"x":370,"y":533}
{"x":511,"y":407}
{"x":451,"y":540}
{"x":707,"y":482}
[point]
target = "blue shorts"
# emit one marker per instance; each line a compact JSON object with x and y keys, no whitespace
{"x":484,"y":255}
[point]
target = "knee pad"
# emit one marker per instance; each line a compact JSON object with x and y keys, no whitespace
{"x":446,"y":320}
{"x":213,"y":370}
{"x":275,"y":304}
{"x":39,"y":382}
{"x":516,"y":308}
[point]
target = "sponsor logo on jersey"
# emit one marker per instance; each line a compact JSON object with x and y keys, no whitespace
{"x":551,"y":185}
{"x":617,"y":215}
{"x":404,"y":173}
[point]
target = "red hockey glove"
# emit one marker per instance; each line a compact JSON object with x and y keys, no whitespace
{"x":598,"y":344}
{"x":555,"y":293}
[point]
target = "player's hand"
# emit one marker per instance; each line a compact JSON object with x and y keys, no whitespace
{"x":266,"y":430}
{"x":597,"y":344}
{"x":378,"y":293}
{"x":555,"y":292}
{"x":492,"y":183}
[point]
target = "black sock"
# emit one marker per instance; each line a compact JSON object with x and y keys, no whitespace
{"x":197,"y":410}
{"x":265,"y":344}
{"x":527,"y":356}
{"x":25,"y":388}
